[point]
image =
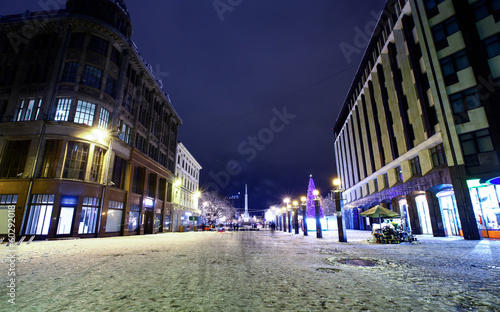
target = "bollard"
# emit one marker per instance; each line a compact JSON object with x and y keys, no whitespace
{"x":31,"y":239}
{"x":21,"y":240}
{"x":1,"y":239}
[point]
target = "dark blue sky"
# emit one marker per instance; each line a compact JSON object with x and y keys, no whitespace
{"x":258,"y":84}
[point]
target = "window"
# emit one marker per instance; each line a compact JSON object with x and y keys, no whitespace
{"x":14,"y":159}
{"x":474,"y":144}
{"x":6,"y":202}
{"x":438,"y":156}
{"x":124,"y":131}
{"x":98,"y":45}
{"x":133,"y":221}
{"x":162,"y":189}
{"x":70,"y":71}
{"x":399,"y":174}
{"x":453,"y":64}
{"x":51,"y":158}
{"x":111,"y":86}
{"x":104,"y":119}
{"x":462,"y":102}
{"x":85,"y":113}
{"x":115,"y":56}
{"x":493,"y":45}
{"x":28,"y":110}
{"x":415,"y":166}
{"x":138,"y":180}
{"x":115,"y":213}
{"x":118,"y":175}
{"x":89,"y":215}
{"x":63,"y":108}
{"x":152,"y":185}
{"x":443,"y":30}
{"x":40,"y":214}
{"x":140,"y":142}
{"x":432,"y":7}
{"x":96,"y":167}
{"x":77,"y":40}
{"x":485,"y":8}
{"x":75,"y":164}
{"x":386,"y":179}
{"x":92,"y":76}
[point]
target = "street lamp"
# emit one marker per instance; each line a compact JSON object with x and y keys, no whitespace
{"x":283,"y":222}
{"x":337,"y":194}
{"x":295,"y":206}
{"x":287,"y":207}
{"x":303,"y":201}
{"x":319,"y":234}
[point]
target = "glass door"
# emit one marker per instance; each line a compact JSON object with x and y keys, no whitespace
{"x":65,"y":221}
{"x":423,"y":214}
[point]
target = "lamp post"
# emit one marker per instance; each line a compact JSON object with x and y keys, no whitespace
{"x":319,"y":233}
{"x":303,"y":201}
{"x":295,"y":206}
{"x":337,"y":192}
{"x":287,"y":207}
{"x":283,"y":211}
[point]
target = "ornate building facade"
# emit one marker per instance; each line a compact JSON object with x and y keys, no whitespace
{"x":418,"y":131}
{"x":88,"y":137}
{"x":186,"y":189}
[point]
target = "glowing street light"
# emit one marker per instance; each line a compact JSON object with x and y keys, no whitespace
{"x":337,"y":197}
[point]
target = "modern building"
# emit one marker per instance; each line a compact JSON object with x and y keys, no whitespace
{"x":88,"y":137}
{"x":418,"y":131}
{"x":186,"y":189}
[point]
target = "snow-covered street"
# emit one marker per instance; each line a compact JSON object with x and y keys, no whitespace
{"x":253,"y":271}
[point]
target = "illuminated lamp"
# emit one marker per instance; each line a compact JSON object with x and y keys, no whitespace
{"x":445,"y":193}
{"x":495,"y":181}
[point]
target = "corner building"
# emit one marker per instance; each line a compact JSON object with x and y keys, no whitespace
{"x":186,"y":190}
{"x":88,"y":137}
{"x":418,"y":131}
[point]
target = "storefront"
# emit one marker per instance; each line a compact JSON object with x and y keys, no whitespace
{"x":485,"y":201}
{"x":449,"y":212}
{"x":423,"y":214}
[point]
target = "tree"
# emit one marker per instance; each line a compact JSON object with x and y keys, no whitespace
{"x":310,"y":200}
{"x":328,"y":206}
{"x":215,"y":208}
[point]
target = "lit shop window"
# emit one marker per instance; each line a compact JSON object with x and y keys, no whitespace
{"x":28,"y":109}
{"x":115,"y":212}
{"x":6,"y":202}
{"x":40,"y":214}
{"x":89,"y":215}
{"x":133,"y":221}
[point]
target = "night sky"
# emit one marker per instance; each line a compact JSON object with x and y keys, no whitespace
{"x":258,"y":84}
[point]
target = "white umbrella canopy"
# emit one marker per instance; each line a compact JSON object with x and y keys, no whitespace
{"x":379,"y":212}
